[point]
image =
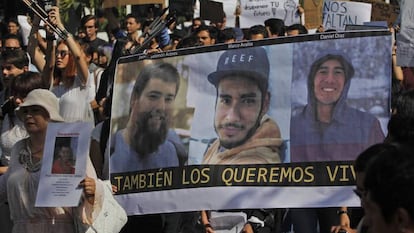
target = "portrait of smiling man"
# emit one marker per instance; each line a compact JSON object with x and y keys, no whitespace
{"x":144,"y":143}
{"x":327,"y":128}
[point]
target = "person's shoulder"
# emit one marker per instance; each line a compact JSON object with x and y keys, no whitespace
{"x":19,"y":145}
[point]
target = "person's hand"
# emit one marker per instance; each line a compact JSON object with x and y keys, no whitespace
{"x":301,"y":10}
{"x":114,"y":189}
{"x":54,"y":17}
{"x":247,"y":228}
{"x":320,"y":28}
{"x":89,"y":186}
{"x":209,"y":229}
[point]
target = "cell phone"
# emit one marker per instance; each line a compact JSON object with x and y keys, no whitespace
{"x":47,"y":4}
{"x":342,"y":231}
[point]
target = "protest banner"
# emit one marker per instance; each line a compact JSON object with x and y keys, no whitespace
{"x":147,"y":186}
{"x":337,"y":14}
{"x":405,"y":40}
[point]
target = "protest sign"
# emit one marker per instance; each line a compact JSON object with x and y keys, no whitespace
{"x":146,"y":185}
{"x":337,"y":14}
{"x":63,"y":164}
{"x":256,"y":12}
{"x":382,"y":11}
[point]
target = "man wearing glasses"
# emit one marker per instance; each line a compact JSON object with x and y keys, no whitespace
{"x":11,"y":42}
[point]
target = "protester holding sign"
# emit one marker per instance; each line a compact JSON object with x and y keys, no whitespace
{"x":146,"y":142}
{"x":19,"y":184}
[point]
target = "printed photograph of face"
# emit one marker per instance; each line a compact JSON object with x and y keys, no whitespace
{"x":329,"y":82}
{"x":339,"y":106}
{"x":64,"y":160}
{"x":239,"y":107}
{"x":235,"y":95}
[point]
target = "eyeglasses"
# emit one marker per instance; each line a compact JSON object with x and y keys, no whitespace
{"x":87,"y":26}
{"x":62,"y":53}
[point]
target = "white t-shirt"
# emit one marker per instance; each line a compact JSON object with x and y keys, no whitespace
{"x":74,"y":102}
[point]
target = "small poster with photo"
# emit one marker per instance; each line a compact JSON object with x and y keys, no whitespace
{"x":64,"y":164}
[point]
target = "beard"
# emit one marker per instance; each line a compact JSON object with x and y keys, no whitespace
{"x":229,"y":144}
{"x":151,"y":131}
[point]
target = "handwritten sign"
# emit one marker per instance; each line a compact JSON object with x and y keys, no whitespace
{"x":337,"y":14}
{"x":256,"y":12}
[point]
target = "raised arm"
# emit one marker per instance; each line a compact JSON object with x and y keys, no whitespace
{"x":34,"y":43}
{"x":47,"y":72}
{"x":82,"y":66}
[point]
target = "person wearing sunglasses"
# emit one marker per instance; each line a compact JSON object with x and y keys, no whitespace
{"x":66,"y":71}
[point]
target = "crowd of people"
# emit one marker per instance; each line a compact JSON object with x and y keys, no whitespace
{"x":69,"y":77}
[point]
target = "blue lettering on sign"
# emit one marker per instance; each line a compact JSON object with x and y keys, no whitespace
{"x":335,"y":7}
{"x":332,"y":20}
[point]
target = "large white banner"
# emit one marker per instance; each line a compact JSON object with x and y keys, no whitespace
{"x":305,"y":158}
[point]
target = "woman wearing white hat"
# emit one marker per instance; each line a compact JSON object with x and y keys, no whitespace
{"x":19,"y":184}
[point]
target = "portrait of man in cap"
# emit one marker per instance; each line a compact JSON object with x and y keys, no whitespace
{"x":246,"y":134}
